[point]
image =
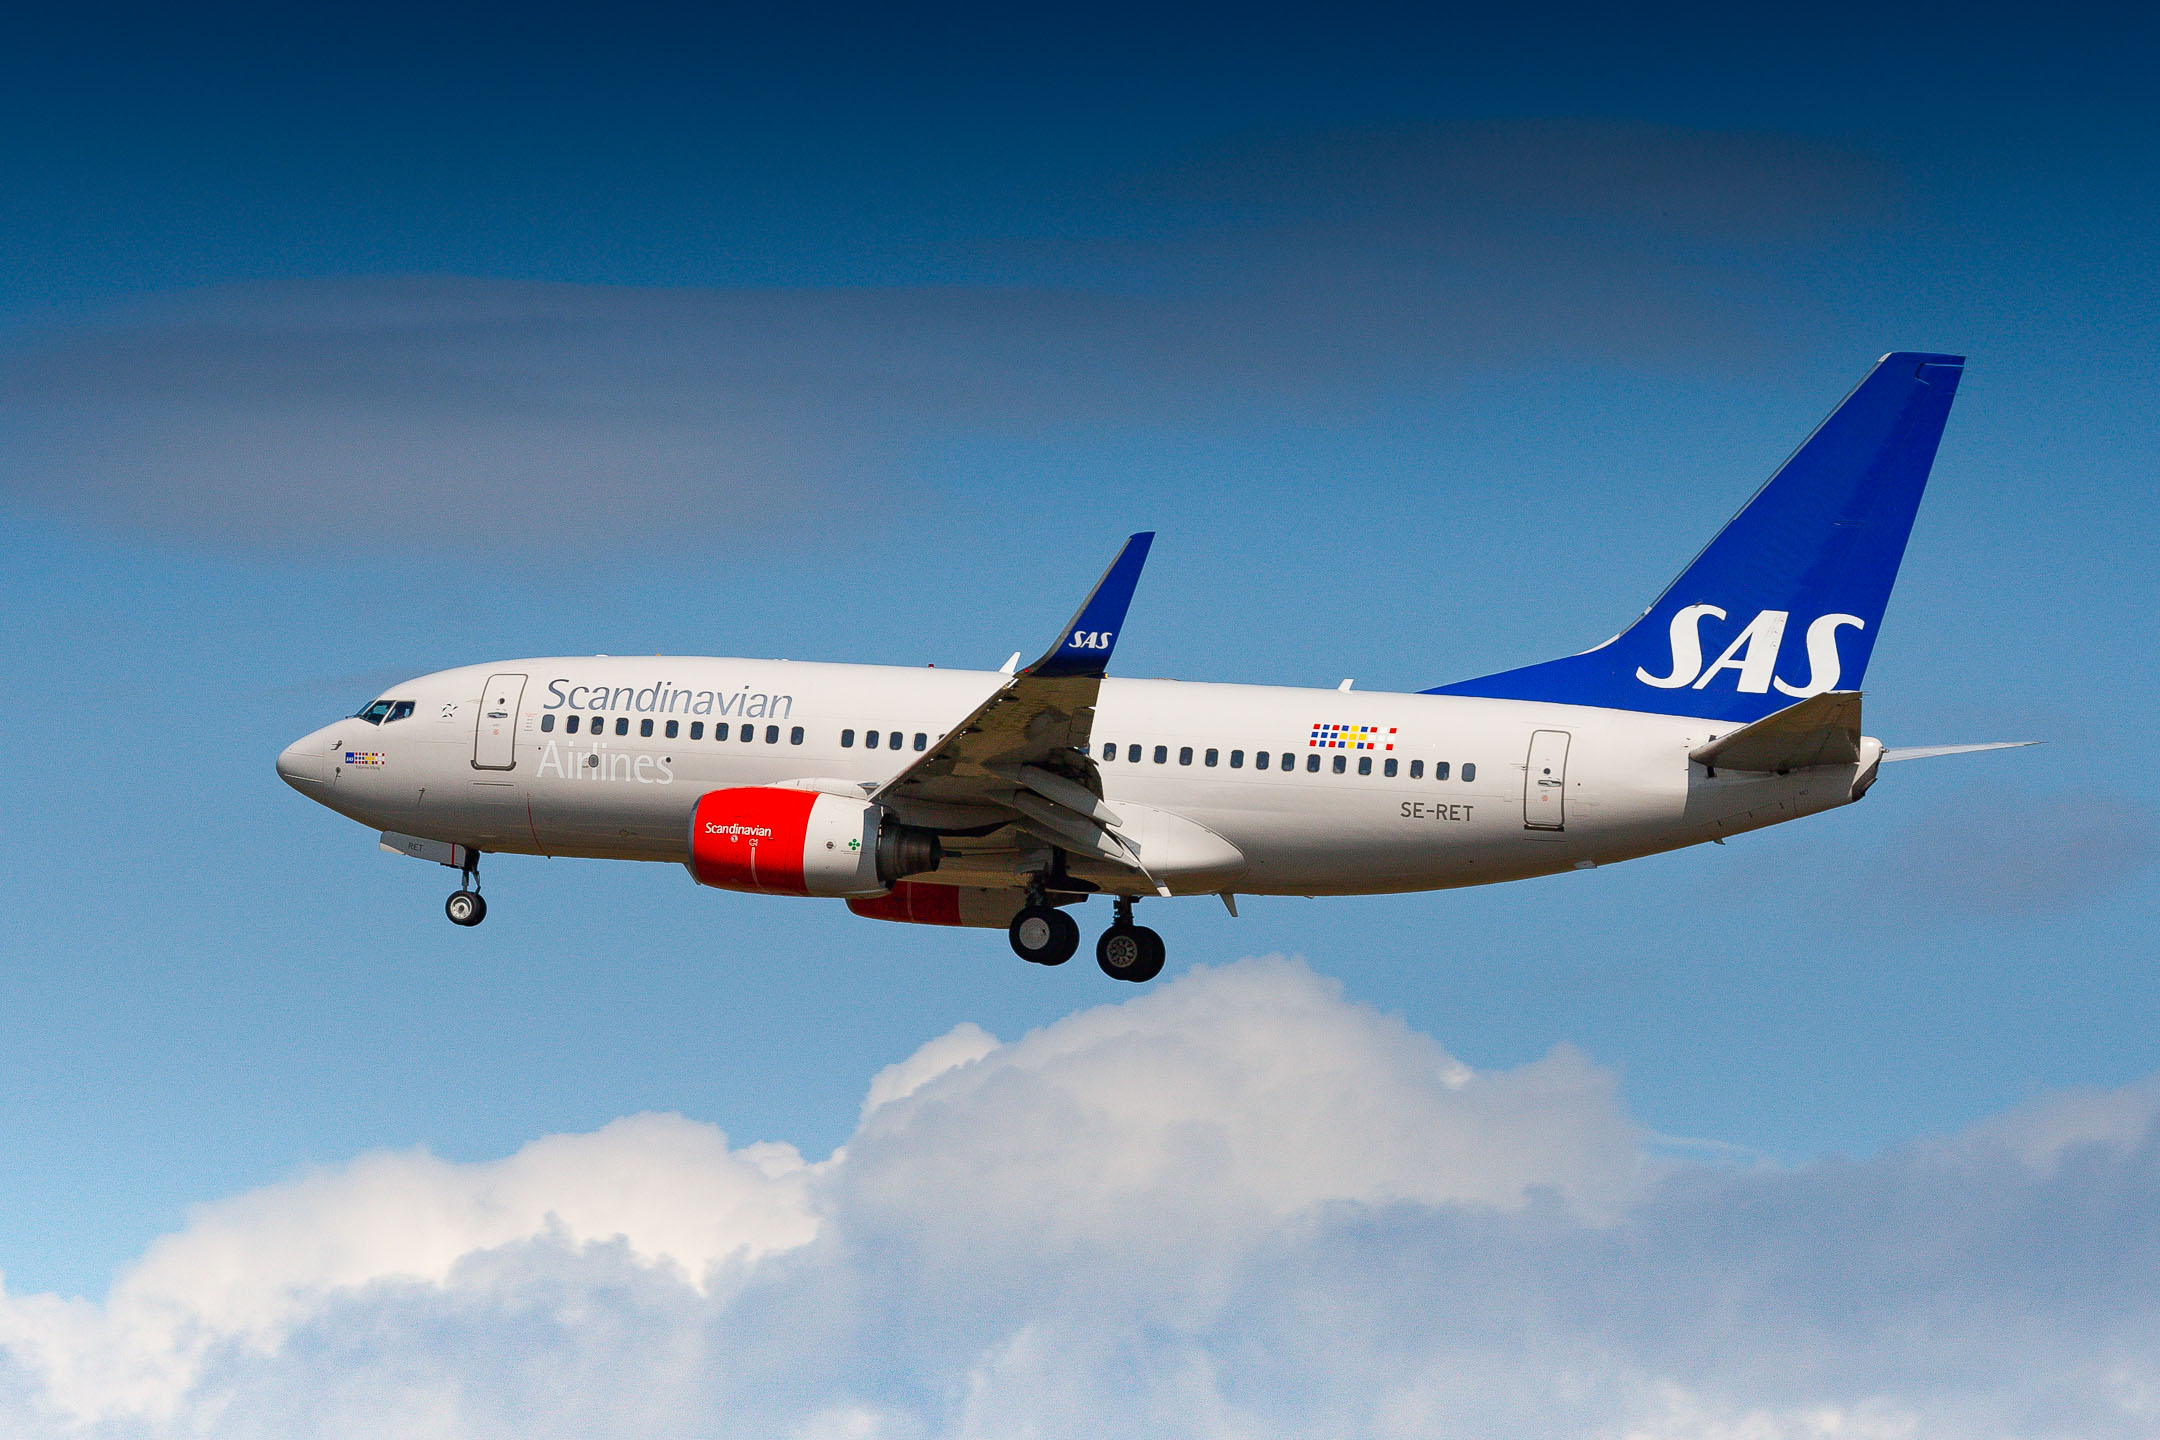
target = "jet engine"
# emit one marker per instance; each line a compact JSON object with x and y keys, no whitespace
{"x":777,"y":841}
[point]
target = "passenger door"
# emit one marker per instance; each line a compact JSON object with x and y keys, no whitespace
{"x":1545,"y":782}
{"x":495,"y":732}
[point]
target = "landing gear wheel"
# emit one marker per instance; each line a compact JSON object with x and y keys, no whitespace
{"x":465,"y":907}
{"x":1130,"y":952}
{"x":1044,"y":935}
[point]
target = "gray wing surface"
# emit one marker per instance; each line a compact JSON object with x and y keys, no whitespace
{"x":1021,"y":757}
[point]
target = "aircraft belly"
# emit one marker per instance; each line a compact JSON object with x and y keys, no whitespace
{"x":577,"y":816}
{"x":1405,"y":837}
{"x":1370,"y":843}
{"x":1732,"y":801}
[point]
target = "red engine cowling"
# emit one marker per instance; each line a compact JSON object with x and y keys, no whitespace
{"x":777,"y":841}
{"x":914,"y":903}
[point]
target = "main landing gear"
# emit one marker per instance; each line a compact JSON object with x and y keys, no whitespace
{"x":1041,"y":933}
{"x":1128,"y":951}
{"x":465,"y":907}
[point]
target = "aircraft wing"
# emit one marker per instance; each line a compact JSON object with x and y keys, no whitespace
{"x":1021,"y":758}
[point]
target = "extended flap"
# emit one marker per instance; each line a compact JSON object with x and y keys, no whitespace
{"x":1820,"y":730}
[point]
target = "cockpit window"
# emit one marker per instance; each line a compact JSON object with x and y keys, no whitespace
{"x":374,"y":713}
{"x":400,"y":710}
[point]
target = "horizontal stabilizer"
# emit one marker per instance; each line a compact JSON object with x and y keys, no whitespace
{"x":1820,"y":730}
{"x":1929,"y":752}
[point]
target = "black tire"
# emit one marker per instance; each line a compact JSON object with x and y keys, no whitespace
{"x":1157,"y":953}
{"x":465,"y":907}
{"x":1130,"y":952}
{"x":1044,"y":935}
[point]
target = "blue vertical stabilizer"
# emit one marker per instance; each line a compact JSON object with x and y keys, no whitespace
{"x":1787,"y":600}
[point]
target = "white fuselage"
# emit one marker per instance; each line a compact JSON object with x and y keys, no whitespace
{"x":1530,"y":788}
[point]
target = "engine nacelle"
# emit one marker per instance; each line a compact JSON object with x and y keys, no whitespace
{"x":777,"y":841}
{"x":914,"y":903}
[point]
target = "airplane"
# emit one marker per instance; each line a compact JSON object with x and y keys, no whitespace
{"x":1003,"y":799}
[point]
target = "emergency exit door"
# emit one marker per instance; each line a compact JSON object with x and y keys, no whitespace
{"x":495,"y":732}
{"x":1545,"y":782}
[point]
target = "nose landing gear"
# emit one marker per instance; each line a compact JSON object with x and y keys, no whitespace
{"x":1127,"y":951}
{"x":465,"y":907}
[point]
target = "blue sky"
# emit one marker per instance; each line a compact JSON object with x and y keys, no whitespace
{"x":333,"y":352}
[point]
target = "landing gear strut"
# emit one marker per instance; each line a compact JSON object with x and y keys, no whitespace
{"x":1128,"y":951}
{"x":465,"y":907}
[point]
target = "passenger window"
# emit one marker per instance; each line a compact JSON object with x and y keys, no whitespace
{"x":1209,"y":758}
{"x":697,"y":729}
{"x":622,"y":724}
{"x":1469,"y":771}
{"x":892,"y":741}
{"x":719,"y":731}
{"x":922,"y":741}
{"x":1312,"y":764}
{"x":673,"y":728}
{"x":1237,"y":759}
{"x":795,"y":736}
{"x":1109,"y":752}
{"x":772,"y":734}
{"x":1389,"y":768}
{"x":1417,"y":769}
{"x":400,"y":710}
{"x":1340,"y":762}
{"x":1162,"y":754}
{"x":1184,"y":755}
{"x":644,"y":729}
{"x":1439,"y":769}
{"x":547,"y":724}
{"x":746,"y":733}
{"x":1364,"y":764}
{"x":1289,"y":761}
{"x":847,"y":739}
{"x":1259,"y":759}
{"x":570,"y":725}
{"x":1132,"y":754}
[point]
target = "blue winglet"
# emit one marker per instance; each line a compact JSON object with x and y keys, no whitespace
{"x":1084,"y":648}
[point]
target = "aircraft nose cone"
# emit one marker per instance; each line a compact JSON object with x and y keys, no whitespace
{"x":301,"y":762}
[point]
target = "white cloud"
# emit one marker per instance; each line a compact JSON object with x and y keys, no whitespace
{"x":245,"y":1271}
{"x":964,"y":1044}
{"x":1234,"y":1206}
{"x":2041,"y":1134}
